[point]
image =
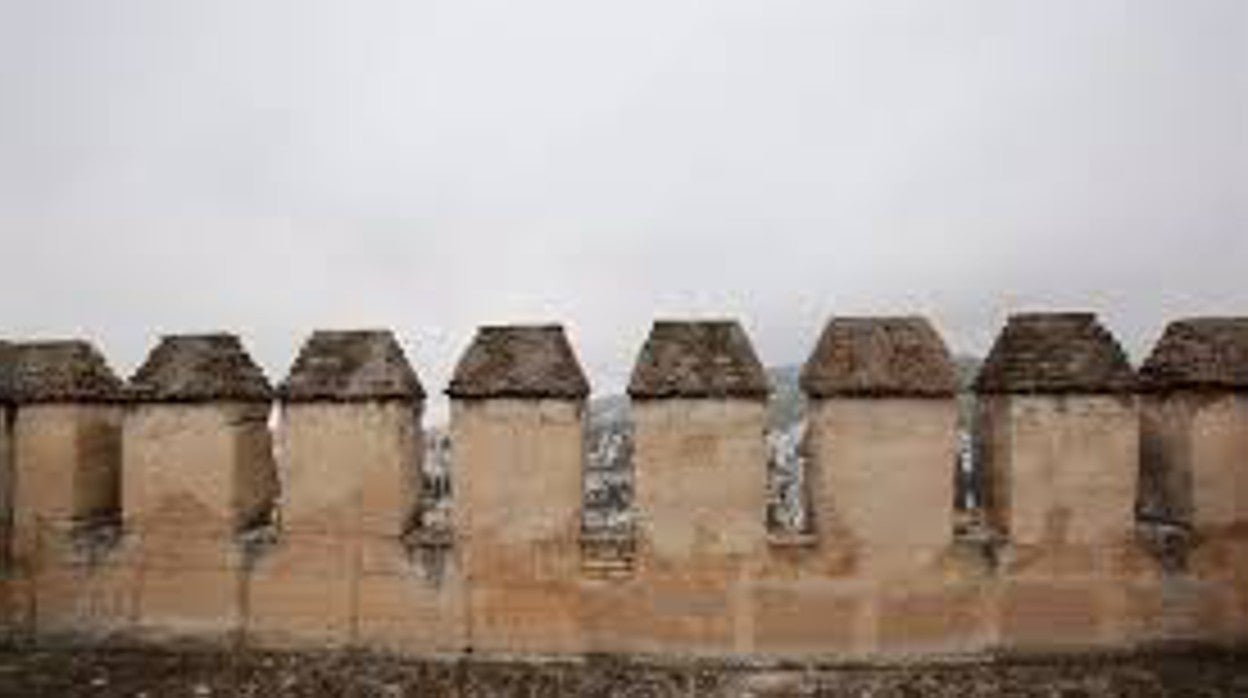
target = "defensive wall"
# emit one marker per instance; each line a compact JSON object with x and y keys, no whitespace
{"x":167,"y":507}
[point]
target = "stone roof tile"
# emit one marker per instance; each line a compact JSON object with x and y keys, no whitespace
{"x":199,"y":368}
{"x":698,"y":359}
{"x":59,"y":371}
{"x":879,"y":357}
{"x":519,"y":361}
{"x":1055,"y":353}
{"x":351,"y":366}
{"x":1206,"y":353}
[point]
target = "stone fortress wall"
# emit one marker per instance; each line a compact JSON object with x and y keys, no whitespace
{"x":1115,"y":500}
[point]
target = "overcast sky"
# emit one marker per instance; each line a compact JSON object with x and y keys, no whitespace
{"x":430,"y":165}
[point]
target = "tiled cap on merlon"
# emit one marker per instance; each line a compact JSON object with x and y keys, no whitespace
{"x":1207,"y":354}
{"x":351,"y":366}
{"x":1055,"y":353}
{"x":519,"y":361}
{"x":199,"y":368}
{"x":879,"y":357}
{"x":61,"y":371}
{"x":698,"y":359}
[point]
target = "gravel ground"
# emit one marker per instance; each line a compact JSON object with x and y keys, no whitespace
{"x":199,"y":673}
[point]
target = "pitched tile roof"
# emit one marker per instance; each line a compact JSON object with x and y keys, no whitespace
{"x":698,"y":359}
{"x":199,"y":368}
{"x":519,"y":361}
{"x":59,"y":371}
{"x":1199,"y":353}
{"x":351,"y":366}
{"x":879,"y":357}
{"x":1055,"y":353}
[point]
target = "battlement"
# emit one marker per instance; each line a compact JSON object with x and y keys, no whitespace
{"x":197,"y":500}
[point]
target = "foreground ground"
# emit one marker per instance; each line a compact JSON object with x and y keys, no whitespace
{"x":196,"y":673}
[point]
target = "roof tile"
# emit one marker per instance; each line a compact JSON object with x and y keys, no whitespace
{"x":879,"y":357}
{"x":519,"y":361}
{"x":199,"y":368}
{"x":351,"y":366}
{"x":1206,"y":353}
{"x":1055,"y":353}
{"x":698,"y":359}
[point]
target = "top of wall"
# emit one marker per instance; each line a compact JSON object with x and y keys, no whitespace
{"x":879,"y":357}
{"x":1208,"y":353}
{"x":351,"y":366}
{"x":1054,"y":353}
{"x":519,"y":361}
{"x":700,"y":359}
{"x":57,"y":372}
{"x":199,"y":368}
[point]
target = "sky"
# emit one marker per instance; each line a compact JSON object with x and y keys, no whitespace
{"x":272,"y":167}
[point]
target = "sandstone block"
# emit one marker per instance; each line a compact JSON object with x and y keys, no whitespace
{"x":304,"y":592}
{"x":811,"y":618}
{"x":936,"y":619}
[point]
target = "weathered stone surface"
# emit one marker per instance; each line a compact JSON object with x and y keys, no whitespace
{"x":1050,"y":616}
{"x":350,"y":467}
{"x":61,"y":486}
{"x":6,"y":487}
{"x":926,"y":617}
{"x":519,"y":361}
{"x":6,"y":464}
{"x":1206,"y":353}
{"x":698,"y":359}
{"x":700,"y":484}
{"x":1192,"y":460}
{"x":697,"y":615}
{"x":1061,"y":469}
{"x":1048,"y":353}
{"x":1194,"y":438}
{"x":196,"y":475}
{"x":60,"y":371}
{"x":410,"y":600}
{"x":614,"y":616}
{"x":206,"y":555}
{"x":192,"y":583}
{"x":351,"y":475}
{"x":199,"y":368}
{"x":7,"y":356}
{"x":201,"y":466}
{"x":1062,"y":473}
{"x":517,"y":520}
{"x":303,"y":591}
{"x":84,"y":589}
{"x":65,"y":506}
{"x":66,"y":467}
{"x":524,"y":616}
{"x":351,"y":366}
{"x":700,"y":474}
{"x":870,"y":459}
{"x":812,"y":619}
{"x":879,"y":357}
